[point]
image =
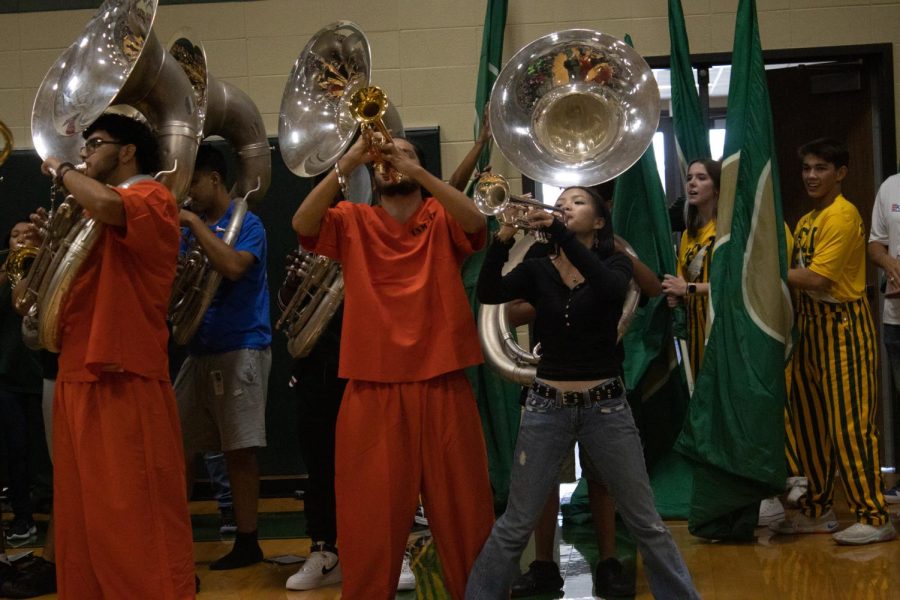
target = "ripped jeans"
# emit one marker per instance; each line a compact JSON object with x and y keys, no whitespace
{"x":606,"y":430}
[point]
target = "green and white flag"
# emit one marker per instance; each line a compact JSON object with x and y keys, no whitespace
{"x":691,"y":133}
{"x":497,"y":398}
{"x":659,"y":396}
{"x":657,"y":391}
{"x":734,"y":432}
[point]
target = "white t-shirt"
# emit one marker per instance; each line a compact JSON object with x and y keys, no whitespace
{"x":886,"y":231}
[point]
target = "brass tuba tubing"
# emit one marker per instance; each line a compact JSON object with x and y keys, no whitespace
{"x":18,"y":262}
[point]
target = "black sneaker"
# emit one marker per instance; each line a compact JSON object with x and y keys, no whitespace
{"x":36,"y":578}
{"x":227,"y":524}
{"x":542,"y":577}
{"x":610,"y":579}
{"x":21,"y":528}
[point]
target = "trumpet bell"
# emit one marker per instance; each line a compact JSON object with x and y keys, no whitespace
{"x":577,"y":107}
{"x":369,"y":104}
{"x":491,"y":194}
{"x":316,"y":124}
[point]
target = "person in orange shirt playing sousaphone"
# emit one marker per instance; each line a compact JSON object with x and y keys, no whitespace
{"x":122,"y":524}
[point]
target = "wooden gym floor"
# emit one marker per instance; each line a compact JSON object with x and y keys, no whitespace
{"x":780,"y":567}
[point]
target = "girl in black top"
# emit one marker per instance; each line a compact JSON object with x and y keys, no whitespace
{"x":578,"y":292}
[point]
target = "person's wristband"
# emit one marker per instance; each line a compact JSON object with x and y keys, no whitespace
{"x":61,"y":171}
{"x":691,"y":289}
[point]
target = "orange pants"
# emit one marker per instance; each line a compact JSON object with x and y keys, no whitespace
{"x":122,"y":523}
{"x":393,"y":441}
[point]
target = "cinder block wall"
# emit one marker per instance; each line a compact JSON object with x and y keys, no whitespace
{"x":425,"y":52}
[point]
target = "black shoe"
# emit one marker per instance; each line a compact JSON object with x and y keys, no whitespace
{"x":36,"y":578}
{"x":21,"y":528}
{"x":245,"y":552}
{"x":610,"y":579}
{"x":542,"y":577}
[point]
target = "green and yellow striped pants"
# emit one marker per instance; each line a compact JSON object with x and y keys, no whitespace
{"x":832,"y":407}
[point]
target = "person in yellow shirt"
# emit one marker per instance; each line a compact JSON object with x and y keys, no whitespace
{"x":691,"y":284}
{"x":834,"y":367}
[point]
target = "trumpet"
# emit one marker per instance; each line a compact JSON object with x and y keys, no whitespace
{"x":493,"y":198}
{"x":368,"y":106}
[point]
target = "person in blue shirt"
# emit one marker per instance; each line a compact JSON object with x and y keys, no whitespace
{"x":221,"y":387}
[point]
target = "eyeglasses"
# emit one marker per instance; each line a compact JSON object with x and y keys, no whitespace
{"x":93,"y":144}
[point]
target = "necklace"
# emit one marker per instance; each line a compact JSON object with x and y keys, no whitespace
{"x":566,"y":271}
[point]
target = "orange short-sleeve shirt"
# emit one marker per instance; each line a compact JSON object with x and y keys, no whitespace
{"x":406,"y":315}
{"x":114,"y":318}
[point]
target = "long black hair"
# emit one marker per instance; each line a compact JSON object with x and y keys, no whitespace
{"x":691,"y":212}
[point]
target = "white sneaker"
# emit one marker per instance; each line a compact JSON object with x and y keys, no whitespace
{"x":800,"y":523}
{"x":796,"y":487}
{"x":860,"y":534}
{"x":770,"y":511}
{"x":321,"y":568}
{"x":407,"y":579}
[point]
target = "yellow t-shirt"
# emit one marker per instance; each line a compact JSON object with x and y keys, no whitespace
{"x":832,"y":243}
{"x":691,"y":247}
{"x":789,"y":242}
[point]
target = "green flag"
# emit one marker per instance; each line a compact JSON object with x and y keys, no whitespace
{"x":497,"y":398}
{"x":489,"y":66}
{"x":691,"y":133}
{"x":734,"y":432}
{"x":656,"y":390}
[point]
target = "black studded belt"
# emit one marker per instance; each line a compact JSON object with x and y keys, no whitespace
{"x":612,"y":388}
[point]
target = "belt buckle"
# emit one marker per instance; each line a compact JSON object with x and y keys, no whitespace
{"x":570,"y":399}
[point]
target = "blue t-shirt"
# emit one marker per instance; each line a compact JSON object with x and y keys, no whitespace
{"x":238,"y":316}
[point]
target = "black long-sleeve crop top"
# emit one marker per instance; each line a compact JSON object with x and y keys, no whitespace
{"x":577,"y":326}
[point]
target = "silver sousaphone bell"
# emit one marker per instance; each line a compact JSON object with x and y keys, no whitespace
{"x":315,"y":128}
{"x":577,"y":107}
{"x":573,"y":108}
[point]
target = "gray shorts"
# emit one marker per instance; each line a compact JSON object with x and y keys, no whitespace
{"x":222,"y":400}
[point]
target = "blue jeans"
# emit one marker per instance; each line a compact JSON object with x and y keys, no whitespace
{"x":606,"y":431}
{"x":218,"y":478}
